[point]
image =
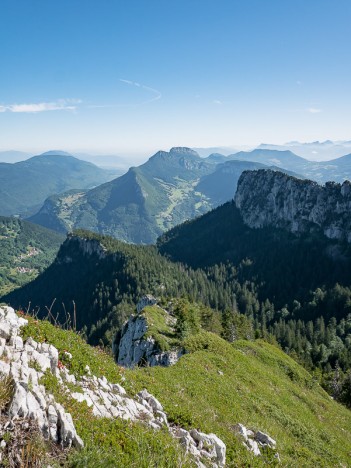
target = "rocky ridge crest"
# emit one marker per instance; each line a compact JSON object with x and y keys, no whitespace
{"x":26,"y":362}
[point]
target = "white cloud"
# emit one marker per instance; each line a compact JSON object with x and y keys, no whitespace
{"x":217,"y":101}
{"x":313,"y":110}
{"x":156,"y":95}
{"x":61,"y":104}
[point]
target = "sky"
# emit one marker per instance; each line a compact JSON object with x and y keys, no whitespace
{"x":133,"y":76}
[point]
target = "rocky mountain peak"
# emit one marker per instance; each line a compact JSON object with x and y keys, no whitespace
{"x":182,"y":150}
{"x":56,"y":153}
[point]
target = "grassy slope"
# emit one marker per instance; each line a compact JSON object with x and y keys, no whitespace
{"x":260,"y":387}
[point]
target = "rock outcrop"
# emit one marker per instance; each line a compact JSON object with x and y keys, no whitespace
{"x":135,"y":346}
{"x":271,"y":198}
{"x":255,"y":441}
{"x":25,"y":364}
{"x":88,"y":247}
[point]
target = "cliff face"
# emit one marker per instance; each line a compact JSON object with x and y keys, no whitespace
{"x":270,"y":198}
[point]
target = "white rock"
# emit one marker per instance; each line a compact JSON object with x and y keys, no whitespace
{"x":16,"y":342}
{"x":42,"y":360}
{"x":119,"y":389}
{"x":241,"y":429}
{"x":82,"y":397}
{"x":54,"y":357}
{"x":39,"y":396}
{"x":103,"y":383}
{"x":32,"y":343}
{"x":52,"y":420}
{"x":213,"y":445}
{"x":153,"y":402}
{"x":18,"y":406}
{"x":68,"y":435}
{"x":252,"y":445}
{"x":15,"y":371}
{"x":4,"y":368}
{"x":36,"y":413}
{"x":5,"y":330}
{"x":162,"y":417}
{"x":220,"y":449}
{"x":22,"y":322}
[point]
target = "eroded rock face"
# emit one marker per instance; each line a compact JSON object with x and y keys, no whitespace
{"x":271,"y":198}
{"x":87,"y":247}
{"x":133,"y":347}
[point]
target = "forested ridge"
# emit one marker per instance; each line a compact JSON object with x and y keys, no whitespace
{"x":292,"y":290}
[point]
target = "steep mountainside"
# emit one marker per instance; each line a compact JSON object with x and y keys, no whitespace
{"x":302,"y":283}
{"x":225,"y":404}
{"x":137,"y":207}
{"x":285,"y":266}
{"x":25,"y":185}
{"x":267,"y":198}
{"x":98,"y":280}
{"x":26,"y":250}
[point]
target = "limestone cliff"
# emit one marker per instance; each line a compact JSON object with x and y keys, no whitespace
{"x":83,"y":246}
{"x":271,"y":198}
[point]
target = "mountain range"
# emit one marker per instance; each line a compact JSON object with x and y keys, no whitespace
{"x":140,"y":205}
{"x":137,"y":207}
{"x":315,"y":150}
{"x":337,"y":170}
{"x":26,"y":184}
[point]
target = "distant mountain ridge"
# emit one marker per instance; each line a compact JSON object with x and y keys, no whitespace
{"x":137,"y":207}
{"x":26,"y":184}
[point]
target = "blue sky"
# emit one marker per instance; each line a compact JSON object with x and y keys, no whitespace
{"x":113,"y":76}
